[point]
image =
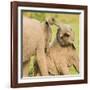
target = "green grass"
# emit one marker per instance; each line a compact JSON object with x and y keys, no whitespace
{"x":72,"y":19}
{"x":72,"y":70}
{"x":32,"y":61}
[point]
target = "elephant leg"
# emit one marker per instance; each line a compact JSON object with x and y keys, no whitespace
{"x":26,"y":69}
{"x":65,"y":69}
{"x":75,"y":61}
{"x":42,"y":63}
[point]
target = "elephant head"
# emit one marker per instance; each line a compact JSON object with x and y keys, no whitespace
{"x":65,"y":35}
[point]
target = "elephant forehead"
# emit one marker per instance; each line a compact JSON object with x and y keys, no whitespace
{"x":65,"y":28}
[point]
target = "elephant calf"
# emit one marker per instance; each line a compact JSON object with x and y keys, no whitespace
{"x":36,"y":37}
{"x":62,"y":53}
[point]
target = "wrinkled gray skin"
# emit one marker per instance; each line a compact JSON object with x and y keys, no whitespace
{"x":62,"y":53}
{"x":36,"y":38}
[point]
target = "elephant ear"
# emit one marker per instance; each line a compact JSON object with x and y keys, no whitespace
{"x":58,"y":35}
{"x":48,"y":30}
{"x":47,"y":26}
{"x":46,"y":23}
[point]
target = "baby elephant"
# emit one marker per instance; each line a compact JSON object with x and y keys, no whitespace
{"x":62,"y":53}
{"x":36,"y":37}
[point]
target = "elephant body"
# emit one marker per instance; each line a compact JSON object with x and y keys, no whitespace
{"x":35,"y":40}
{"x":62,"y":52}
{"x":61,"y":58}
